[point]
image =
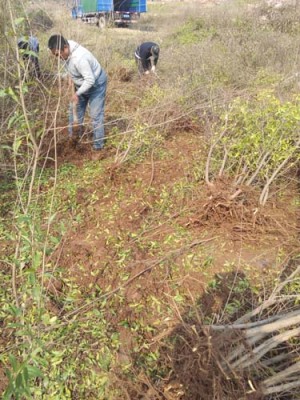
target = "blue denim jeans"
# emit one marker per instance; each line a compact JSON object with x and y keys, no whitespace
{"x":95,"y":98}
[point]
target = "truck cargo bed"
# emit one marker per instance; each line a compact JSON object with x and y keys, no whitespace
{"x":89,"y":6}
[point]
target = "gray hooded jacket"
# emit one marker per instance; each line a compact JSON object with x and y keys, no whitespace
{"x":83,"y":67}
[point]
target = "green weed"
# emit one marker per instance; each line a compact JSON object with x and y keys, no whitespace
{"x":193,"y":31}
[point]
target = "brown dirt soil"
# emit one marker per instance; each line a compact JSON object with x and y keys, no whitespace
{"x":233,"y":235}
{"x":3,"y":380}
{"x":221,"y":240}
{"x":197,"y":351}
{"x":219,"y":237}
{"x":236,"y":234}
{"x":238,"y":226}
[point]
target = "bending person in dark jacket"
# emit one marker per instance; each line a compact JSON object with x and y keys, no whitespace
{"x":146,"y":56}
{"x":89,"y":79}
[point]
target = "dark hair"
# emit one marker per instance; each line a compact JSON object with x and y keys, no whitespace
{"x":155,"y":50}
{"x":22,"y":44}
{"x":57,"y":42}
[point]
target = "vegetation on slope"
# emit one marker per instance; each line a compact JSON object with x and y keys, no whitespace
{"x":120,"y":276}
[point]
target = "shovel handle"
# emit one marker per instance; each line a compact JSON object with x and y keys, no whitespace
{"x":75,"y":115}
{"x":74,"y":105}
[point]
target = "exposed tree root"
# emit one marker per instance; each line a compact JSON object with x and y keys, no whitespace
{"x":259,"y":351}
{"x":254,"y":358}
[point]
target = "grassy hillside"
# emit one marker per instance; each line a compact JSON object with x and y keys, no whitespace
{"x":115,"y":269}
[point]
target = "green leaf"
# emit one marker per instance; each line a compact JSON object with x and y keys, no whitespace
{"x":19,"y":381}
{"x":26,"y":375}
{"x":19,"y":21}
{"x":16,"y":145}
{"x":34,"y":372}
{"x":12,"y":94}
{"x":36,"y":292}
{"x":36,"y":259}
{"x":13,"y":362}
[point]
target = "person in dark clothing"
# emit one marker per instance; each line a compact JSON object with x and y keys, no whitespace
{"x":30,"y":45}
{"x":146,"y":56}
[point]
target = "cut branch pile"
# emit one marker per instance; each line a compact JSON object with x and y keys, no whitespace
{"x":244,"y":178}
{"x":255,"y":357}
{"x":265,"y":350}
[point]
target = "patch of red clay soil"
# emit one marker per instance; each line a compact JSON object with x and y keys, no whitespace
{"x":73,"y":150}
{"x":3,"y":380}
{"x":242,"y":232}
{"x":85,"y":253}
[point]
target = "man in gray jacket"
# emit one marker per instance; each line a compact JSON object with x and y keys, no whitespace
{"x":89,"y":79}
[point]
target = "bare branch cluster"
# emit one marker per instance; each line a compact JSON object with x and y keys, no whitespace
{"x":267,"y":347}
{"x":254,"y":150}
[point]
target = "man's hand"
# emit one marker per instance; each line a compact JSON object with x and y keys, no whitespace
{"x":75,"y":98}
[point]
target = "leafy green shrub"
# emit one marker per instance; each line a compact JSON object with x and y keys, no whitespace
{"x":193,"y":31}
{"x":152,"y":96}
{"x":138,"y":142}
{"x":259,"y":141}
{"x":259,"y":125}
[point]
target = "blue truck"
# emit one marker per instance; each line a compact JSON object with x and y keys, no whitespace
{"x":104,"y":12}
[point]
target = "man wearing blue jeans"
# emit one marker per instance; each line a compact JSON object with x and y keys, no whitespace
{"x":89,"y":80}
